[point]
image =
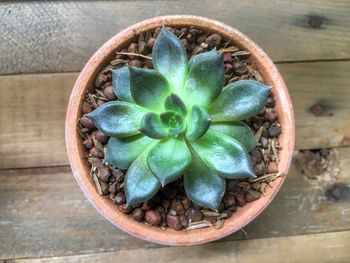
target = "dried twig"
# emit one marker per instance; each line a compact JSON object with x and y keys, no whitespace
{"x":133,"y":54}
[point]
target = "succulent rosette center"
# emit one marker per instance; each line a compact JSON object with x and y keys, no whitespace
{"x":177,"y":120}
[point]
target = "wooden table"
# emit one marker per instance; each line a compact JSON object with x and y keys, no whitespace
{"x":45,"y":217}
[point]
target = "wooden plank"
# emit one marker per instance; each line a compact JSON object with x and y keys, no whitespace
{"x":61,"y":36}
{"x":32,"y":112}
{"x":328,"y":247}
{"x":43,"y":213}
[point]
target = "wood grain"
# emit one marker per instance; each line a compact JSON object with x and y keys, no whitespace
{"x":43,"y":213}
{"x":61,"y":36}
{"x":318,"y":248}
{"x":32,"y":112}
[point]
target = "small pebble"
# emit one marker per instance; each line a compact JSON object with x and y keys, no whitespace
{"x":197,"y":50}
{"x":184,"y":220}
{"x":173,"y":222}
{"x":125,"y":209}
{"x":101,"y":79}
{"x":213,"y":40}
{"x":101,"y":137}
{"x":119,"y":175}
{"x":272,"y":167}
{"x":108,"y":92}
{"x":186,"y":203}
{"x":119,"y":198}
{"x":271,"y":115}
{"x":194,"y":214}
{"x":135,"y":63}
{"x":143,"y":48}
{"x":149,"y":63}
{"x":270,"y":102}
{"x":240,"y":199}
{"x":133,"y":48}
{"x":85,"y":122}
{"x":112,"y":188}
{"x":88,"y":143}
{"x":138,"y":214}
{"x":229,"y":200}
{"x":264,"y":142}
{"x":259,"y":168}
{"x":232,"y":186}
{"x":150,"y":42}
{"x":104,"y":173}
{"x":147,"y":206}
{"x":104,"y":187}
{"x":178,"y":207}
{"x":239,"y":68}
{"x":96,"y":153}
{"x":159,"y":209}
{"x":228,"y":68}
{"x":153,"y":218}
{"x":252,"y":195}
{"x":274,"y":131}
{"x":87,"y":107}
{"x":256,"y":156}
{"x":201,"y":39}
{"x":227,"y":57}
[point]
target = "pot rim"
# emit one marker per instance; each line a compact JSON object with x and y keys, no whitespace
{"x":105,"y":207}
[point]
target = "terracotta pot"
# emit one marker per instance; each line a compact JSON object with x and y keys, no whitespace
{"x":80,"y":166}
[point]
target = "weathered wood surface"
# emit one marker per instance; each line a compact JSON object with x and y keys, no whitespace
{"x":60,"y":36}
{"x":32,"y":112}
{"x":317,"y":248}
{"x":44,"y":213}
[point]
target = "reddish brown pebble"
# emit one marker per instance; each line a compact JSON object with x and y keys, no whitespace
{"x":173,"y":222}
{"x":264,"y":142}
{"x":135,"y":63}
{"x":256,"y":156}
{"x":150,"y":42}
{"x":113,"y":188}
{"x":101,"y":137}
{"x":227,"y":57}
{"x":119,"y":199}
{"x":274,"y":131}
{"x":138,"y":214}
{"x":87,"y":107}
{"x":201,"y":39}
{"x":119,"y":175}
{"x":214,"y":40}
{"x":194,"y":214}
{"x":108,"y":92}
{"x":85,"y":122}
{"x":96,"y":153}
{"x":252,"y":195}
{"x":104,"y":173}
{"x":88,"y":143}
{"x":228,"y":68}
{"x":184,"y":220}
{"x":100,"y":80}
{"x":186,"y":203}
{"x":159,"y":209}
{"x":239,"y":68}
{"x":153,"y":218}
{"x":197,"y":50}
{"x":125,"y":209}
{"x":240,"y":199}
{"x":104,"y":187}
{"x":259,"y":168}
{"x":232,"y":185}
{"x":178,"y":207}
{"x":272,"y":167}
{"x":271,"y":115}
{"x":229,"y":200}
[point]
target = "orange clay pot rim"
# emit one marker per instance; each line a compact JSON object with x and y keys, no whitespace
{"x":80,"y":168}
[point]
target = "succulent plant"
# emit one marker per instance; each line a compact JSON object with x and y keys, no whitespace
{"x":177,"y":120}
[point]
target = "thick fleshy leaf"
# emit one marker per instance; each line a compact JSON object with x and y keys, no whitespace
{"x":223,"y":154}
{"x":170,"y":59}
{"x":239,"y":100}
{"x":140,"y":182}
{"x":168,"y":159}
{"x":121,"y":83}
{"x":174,"y":103}
{"x":198,"y":123}
{"x":205,"y":80}
{"x":203,"y":186}
{"x":197,"y":58}
{"x":121,"y":152}
{"x":118,"y":118}
{"x":152,"y":126}
{"x":148,"y":88}
{"x":237,"y":130}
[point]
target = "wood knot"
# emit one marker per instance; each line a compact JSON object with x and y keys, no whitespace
{"x":315,"y":21}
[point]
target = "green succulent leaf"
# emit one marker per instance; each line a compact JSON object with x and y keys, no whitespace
{"x":239,"y":100}
{"x":140,"y":182}
{"x":170,"y":59}
{"x":121,"y":84}
{"x":224,"y":155}
{"x":203,"y":186}
{"x":148,"y":88}
{"x":202,"y":56}
{"x":117,"y":118}
{"x":237,"y":130}
{"x":174,"y":103}
{"x":121,"y":152}
{"x":198,"y":123}
{"x":152,"y":126}
{"x":168,"y":159}
{"x":205,"y":80}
